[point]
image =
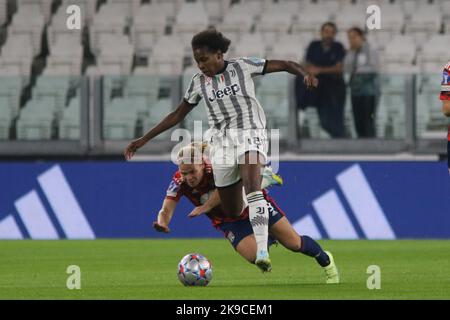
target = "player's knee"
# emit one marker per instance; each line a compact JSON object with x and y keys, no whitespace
{"x":294,"y":245}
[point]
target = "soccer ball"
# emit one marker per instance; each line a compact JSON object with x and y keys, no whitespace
{"x":194,"y":270}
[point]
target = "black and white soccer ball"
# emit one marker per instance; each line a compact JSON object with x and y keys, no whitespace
{"x":195,"y":270}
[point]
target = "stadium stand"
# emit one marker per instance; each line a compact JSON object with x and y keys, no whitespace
{"x":136,"y":44}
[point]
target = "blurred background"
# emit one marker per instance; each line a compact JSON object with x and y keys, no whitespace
{"x":87,"y":92}
{"x":84,"y":94}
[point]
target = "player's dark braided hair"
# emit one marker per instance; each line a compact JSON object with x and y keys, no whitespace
{"x":211,"y":39}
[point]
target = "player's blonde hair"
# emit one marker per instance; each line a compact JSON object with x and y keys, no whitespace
{"x":192,"y":153}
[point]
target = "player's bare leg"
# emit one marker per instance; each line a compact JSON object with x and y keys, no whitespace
{"x":247,"y":248}
{"x":283,"y":231}
{"x":231,"y":199}
{"x":250,"y":172}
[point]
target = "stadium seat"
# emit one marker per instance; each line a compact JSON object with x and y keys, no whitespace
{"x":11,"y":88}
{"x":434,"y":53}
{"x":350,"y":16}
{"x":130,"y":7}
{"x":399,"y":55}
{"x":88,"y":8}
{"x":44,"y":7}
{"x":116,"y":51}
{"x":66,"y":54}
{"x":289,"y":47}
{"x":55,"y":88}
{"x":145,"y":87}
{"x":167,"y":57}
{"x":168,"y":7}
{"x":275,"y":23}
{"x":239,"y":20}
{"x":310,"y":18}
{"x":429,"y":118}
{"x":148,"y":26}
{"x":119,"y":120}
{"x":425,"y":21}
{"x":250,"y":45}
{"x":36,"y":120}
{"x":17,"y":57}
{"x":3,"y":12}
{"x":69,"y":125}
{"x":157,"y":112}
{"x":216,"y":10}
{"x":57,"y":31}
{"x":393,"y":22}
{"x":392,"y":105}
{"x":191,"y":18}
{"x":109,"y":25}
{"x":273,"y":93}
{"x":444,"y":7}
{"x":30,"y":22}
{"x":5,"y":117}
{"x":333,"y":5}
{"x":102,"y":70}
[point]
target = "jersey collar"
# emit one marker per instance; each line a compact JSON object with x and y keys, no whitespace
{"x":225,"y":65}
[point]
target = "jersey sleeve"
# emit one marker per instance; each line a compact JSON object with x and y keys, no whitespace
{"x":255,"y":66}
{"x":193,"y":93}
{"x":445,"y":85}
{"x":174,"y":190}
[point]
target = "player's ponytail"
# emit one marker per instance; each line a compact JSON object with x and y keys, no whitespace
{"x":211,"y":39}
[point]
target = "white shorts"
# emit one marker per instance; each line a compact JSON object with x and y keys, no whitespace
{"x":227,"y":151}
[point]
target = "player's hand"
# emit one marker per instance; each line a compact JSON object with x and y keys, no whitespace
{"x":310,"y":81}
{"x":197,"y":212}
{"x":133,"y":147}
{"x":160,"y":227}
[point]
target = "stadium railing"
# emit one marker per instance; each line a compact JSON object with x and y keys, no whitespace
{"x":99,"y":115}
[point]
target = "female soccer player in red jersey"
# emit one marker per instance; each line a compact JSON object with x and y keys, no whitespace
{"x":194,"y":181}
{"x":237,"y":121}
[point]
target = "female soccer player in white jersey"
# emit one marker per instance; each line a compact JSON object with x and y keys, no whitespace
{"x":239,"y":143}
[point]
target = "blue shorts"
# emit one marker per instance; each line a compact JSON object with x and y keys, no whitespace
{"x":448,"y":154}
{"x":237,"y":230}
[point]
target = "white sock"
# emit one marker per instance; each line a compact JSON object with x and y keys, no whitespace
{"x":259,"y":219}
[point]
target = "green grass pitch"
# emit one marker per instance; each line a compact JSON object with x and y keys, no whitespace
{"x":146,"y":269}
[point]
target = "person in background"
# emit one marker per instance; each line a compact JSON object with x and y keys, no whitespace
{"x":445,"y":98}
{"x":362,"y":64}
{"x":325,"y":60}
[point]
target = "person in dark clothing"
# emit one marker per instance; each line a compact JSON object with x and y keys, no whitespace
{"x":362,"y":64}
{"x":324,"y":59}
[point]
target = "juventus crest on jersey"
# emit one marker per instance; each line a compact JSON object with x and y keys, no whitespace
{"x":230,"y":96}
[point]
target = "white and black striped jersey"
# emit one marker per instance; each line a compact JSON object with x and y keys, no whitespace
{"x":229,"y":97}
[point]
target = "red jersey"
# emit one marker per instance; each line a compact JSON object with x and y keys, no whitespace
{"x":199,"y":196}
{"x":445,"y":89}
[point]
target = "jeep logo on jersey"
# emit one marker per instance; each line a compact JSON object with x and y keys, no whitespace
{"x":220,"y":94}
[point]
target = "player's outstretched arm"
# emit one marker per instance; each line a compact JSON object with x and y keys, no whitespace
{"x":293,"y":68}
{"x":165,"y":215}
{"x":446,"y":108}
{"x":212,"y":202}
{"x":171,"y":120}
